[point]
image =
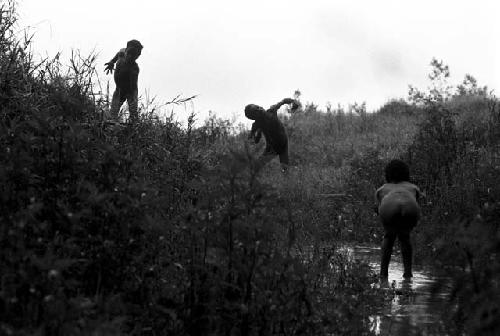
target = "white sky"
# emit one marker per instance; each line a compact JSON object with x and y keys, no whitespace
{"x":232,"y":53}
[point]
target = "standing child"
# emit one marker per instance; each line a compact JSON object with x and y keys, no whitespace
{"x":126,"y":76}
{"x":399,"y":211}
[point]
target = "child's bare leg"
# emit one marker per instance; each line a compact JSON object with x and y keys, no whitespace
{"x":387,"y":244}
{"x":132,"y":107}
{"x":406,"y":251}
{"x":116,"y":103}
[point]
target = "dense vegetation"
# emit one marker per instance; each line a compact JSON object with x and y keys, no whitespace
{"x":153,"y":228}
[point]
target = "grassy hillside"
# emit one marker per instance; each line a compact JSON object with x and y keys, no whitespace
{"x":154,"y":228}
{"x":148,"y":228}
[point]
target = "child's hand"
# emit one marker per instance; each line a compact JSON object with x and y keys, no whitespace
{"x":109,"y":67}
{"x":295,"y":106}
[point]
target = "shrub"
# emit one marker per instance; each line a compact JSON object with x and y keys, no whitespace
{"x":455,"y":159}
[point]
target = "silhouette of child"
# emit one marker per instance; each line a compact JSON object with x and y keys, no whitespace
{"x":267,"y":123}
{"x":399,"y":211}
{"x":126,"y":76}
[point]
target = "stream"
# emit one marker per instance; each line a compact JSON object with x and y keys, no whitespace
{"x":413,"y":306}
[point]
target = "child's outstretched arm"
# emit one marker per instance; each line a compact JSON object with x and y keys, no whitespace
{"x":109,"y":67}
{"x":258,"y":135}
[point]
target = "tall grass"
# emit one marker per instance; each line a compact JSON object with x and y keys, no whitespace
{"x":338,"y":159}
{"x":450,"y":138}
{"x":154,"y":228}
{"x":150,"y":228}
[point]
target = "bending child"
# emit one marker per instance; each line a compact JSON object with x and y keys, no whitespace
{"x":399,"y":211}
{"x":267,"y":123}
{"x":126,"y":76}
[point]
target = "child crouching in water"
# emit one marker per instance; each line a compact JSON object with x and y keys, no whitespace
{"x":399,"y":211}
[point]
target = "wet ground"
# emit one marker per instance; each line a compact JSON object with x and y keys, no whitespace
{"x":413,"y":307}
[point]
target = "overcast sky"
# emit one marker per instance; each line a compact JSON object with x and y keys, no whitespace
{"x":231,"y":53}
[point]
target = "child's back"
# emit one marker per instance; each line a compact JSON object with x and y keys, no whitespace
{"x":398,"y":205}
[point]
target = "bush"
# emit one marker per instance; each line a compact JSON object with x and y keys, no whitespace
{"x":454,"y":157}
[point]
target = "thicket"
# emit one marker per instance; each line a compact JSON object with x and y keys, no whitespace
{"x":450,"y":136}
{"x":455,"y":157}
{"x":151,"y":228}
{"x":453,"y":149}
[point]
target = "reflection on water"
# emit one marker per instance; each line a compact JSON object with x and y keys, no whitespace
{"x":415,"y":308}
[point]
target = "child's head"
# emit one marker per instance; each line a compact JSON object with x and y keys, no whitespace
{"x":253,"y":111}
{"x":134,"y":44}
{"x":397,"y":171}
{"x":133,"y":51}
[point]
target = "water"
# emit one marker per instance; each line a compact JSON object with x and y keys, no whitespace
{"x":414,"y":306}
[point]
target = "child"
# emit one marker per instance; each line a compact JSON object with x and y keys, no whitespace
{"x":399,"y":211}
{"x":267,"y":122}
{"x":126,"y":76}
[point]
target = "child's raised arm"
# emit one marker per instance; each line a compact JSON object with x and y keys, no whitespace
{"x":274,"y":108}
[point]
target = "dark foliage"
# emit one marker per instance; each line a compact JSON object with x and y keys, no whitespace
{"x":148,"y":228}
